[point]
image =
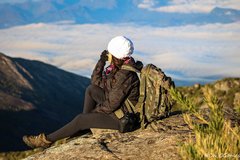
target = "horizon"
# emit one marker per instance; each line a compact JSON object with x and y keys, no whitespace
{"x":197,"y":52}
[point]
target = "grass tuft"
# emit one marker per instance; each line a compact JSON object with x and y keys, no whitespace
{"x":214,"y":136}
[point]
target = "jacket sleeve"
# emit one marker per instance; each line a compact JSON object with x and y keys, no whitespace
{"x":117,"y":94}
{"x":97,"y":78}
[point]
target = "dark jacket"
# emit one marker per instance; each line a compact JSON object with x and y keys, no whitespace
{"x":117,"y":86}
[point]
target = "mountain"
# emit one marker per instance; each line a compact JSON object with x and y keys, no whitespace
{"x":160,"y":141}
{"x":109,"y":11}
{"x":35,"y":97}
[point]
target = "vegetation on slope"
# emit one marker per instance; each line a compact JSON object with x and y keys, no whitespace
{"x":215,"y":136}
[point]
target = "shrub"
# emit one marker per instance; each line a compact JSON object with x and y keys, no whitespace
{"x":214,"y":137}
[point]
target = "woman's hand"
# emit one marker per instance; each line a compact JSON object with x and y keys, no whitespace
{"x":104,"y":56}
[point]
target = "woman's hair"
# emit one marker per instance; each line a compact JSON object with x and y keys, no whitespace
{"x":117,"y":62}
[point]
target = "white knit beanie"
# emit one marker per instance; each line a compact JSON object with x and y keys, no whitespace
{"x":120,"y":47}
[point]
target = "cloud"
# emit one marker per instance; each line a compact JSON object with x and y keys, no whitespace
{"x":96,"y":4}
{"x":187,"y":52}
{"x":186,"y":6}
{"x":145,"y":4}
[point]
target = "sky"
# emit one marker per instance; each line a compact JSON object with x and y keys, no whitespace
{"x":189,"y":52}
{"x":181,"y":6}
{"x":188,"y":6}
{"x":15,"y":1}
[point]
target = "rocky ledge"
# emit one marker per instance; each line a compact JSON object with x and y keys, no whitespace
{"x":157,"y":142}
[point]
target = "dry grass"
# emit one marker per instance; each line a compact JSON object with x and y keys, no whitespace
{"x":214,"y":136}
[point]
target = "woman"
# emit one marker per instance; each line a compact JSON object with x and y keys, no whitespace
{"x":107,"y":93}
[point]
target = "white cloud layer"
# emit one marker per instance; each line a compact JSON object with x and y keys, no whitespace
{"x":191,"y":52}
{"x":186,"y":6}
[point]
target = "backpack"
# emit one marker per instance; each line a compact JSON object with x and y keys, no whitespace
{"x":154,"y":102}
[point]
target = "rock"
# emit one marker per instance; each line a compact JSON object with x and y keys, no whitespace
{"x":197,"y":86}
{"x":111,"y":145}
{"x":223,"y":85}
{"x":97,"y":133}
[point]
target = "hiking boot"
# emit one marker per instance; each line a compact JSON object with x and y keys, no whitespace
{"x":37,"y":141}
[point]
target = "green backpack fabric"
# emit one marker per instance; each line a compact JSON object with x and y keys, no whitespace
{"x":154,"y":102}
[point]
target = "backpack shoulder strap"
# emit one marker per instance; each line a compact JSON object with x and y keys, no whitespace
{"x":130,"y":106}
{"x":129,"y":68}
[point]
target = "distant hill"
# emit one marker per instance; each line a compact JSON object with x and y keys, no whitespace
{"x":108,"y":11}
{"x":35,"y":97}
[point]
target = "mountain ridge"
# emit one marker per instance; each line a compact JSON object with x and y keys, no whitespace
{"x":34,"y":94}
{"x":80,"y":12}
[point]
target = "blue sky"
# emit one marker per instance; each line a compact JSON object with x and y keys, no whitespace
{"x":14,"y":1}
{"x":182,"y":6}
{"x":189,"y":52}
